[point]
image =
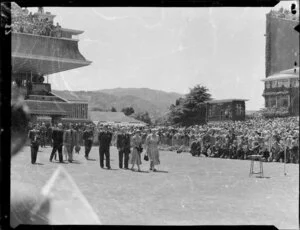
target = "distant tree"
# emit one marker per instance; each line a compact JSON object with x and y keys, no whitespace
{"x":128,"y":111}
{"x":163,"y":120}
{"x":113,"y":109}
{"x":143,"y":116}
{"x":190,"y":110}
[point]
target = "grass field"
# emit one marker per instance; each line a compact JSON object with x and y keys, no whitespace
{"x":186,"y":190}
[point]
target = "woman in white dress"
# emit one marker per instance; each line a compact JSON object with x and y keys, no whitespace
{"x":136,"y":143}
{"x":152,"y":149}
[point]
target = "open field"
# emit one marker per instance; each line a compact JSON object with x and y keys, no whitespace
{"x":186,"y":190}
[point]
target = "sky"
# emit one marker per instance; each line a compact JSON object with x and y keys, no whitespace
{"x":169,"y":49}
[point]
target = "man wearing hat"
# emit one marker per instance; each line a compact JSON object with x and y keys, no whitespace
{"x":123,"y":145}
{"x":57,"y":142}
{"x":88,"y":137}
{"x":104,"y":138}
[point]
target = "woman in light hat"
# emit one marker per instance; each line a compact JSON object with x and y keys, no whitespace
{"x":152,"y":149}
{"x":136,"y":143}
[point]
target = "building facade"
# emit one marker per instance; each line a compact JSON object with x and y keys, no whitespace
{"x":281,"y":89}
{"x":282,"y":41}
{"x":36,"y":54}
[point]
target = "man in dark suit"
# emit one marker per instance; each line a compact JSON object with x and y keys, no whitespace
{"x":57,"y":138}
{"x":104,"y":138}
{"x":123,"y":145}
{"x":34,"y":137}
{"x":88,"y":137}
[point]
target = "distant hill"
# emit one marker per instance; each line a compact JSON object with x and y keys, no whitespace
{"x":155,"y":102}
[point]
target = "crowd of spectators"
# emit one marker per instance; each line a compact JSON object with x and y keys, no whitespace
{"x":272,"y":138}
{"x":24,"y":21}
{"x":284,"y":13}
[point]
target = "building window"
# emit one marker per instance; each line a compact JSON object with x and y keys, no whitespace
{"x":268,"y":85}
{"x":274,"y":84}
{"x":271,"y":101}
{"x":283,"y":101}
{"x":286,"y":83}
{"x":293,"y":82}
{"x":239,"y":109}
{"x":210,"y":111}
{"x":283,"y":83}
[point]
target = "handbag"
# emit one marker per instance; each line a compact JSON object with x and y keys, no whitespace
{"x":77,"y":149}
{"x":146,"y":158}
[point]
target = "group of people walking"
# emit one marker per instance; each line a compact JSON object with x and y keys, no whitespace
{"x":62,"y":141}
{"x":130,"y":145}
{"x":274,"y":139}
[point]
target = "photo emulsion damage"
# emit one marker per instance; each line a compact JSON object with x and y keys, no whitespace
{"x":155,"y":115}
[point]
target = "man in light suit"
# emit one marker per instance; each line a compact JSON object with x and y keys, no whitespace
{"x":70,"y":140}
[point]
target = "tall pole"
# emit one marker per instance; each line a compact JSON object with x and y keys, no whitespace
{"x":285,"y":158}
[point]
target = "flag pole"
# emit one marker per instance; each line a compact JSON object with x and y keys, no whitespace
{"x":285,"y":158}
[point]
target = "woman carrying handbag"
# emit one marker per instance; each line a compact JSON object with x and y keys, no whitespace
{"x":152,"y":149}
{"x":137,"y":149}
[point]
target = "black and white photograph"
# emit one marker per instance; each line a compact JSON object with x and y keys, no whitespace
{"x":150,"y":116}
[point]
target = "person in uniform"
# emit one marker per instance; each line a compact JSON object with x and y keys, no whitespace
{"x":34,"y":137}
{"x":123,"y":146}
{"x":88,"y":137}
{"x":104,"y":138}
{"x":57,"y":143}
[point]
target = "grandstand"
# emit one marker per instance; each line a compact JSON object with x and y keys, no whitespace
{"x":36,"y":54}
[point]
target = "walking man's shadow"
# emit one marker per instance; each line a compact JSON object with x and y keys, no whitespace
{"x":91,"y":159}
{"x":161,"y":171}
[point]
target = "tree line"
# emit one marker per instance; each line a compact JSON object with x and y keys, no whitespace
{"x":186,"y":111}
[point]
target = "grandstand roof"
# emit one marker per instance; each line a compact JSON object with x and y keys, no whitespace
{"x":69,"y":96}
{"x":112,"y":117}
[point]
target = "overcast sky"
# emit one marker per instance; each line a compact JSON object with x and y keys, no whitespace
{"x":170,"y":49}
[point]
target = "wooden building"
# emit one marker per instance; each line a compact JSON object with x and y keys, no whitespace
{"x":225,"y":110}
